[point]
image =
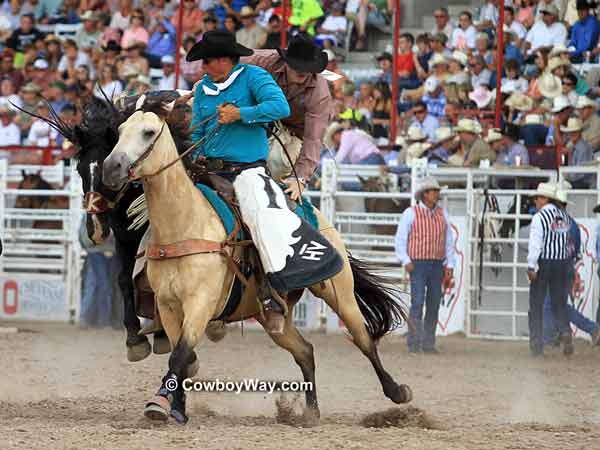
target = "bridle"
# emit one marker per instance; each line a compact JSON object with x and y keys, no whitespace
{"x":96,"y":203}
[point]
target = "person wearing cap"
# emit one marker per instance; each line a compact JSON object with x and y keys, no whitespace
{"x":56,"y":95}
{"x":439,"y":45}
{"x":41,"y":74}
{"x":296,"y":70}
{"x":30,"y":95}
{"x":251,"y":35}
{"x":167,"y":80}
{"x":445,"y":144}
{"x":463,"y":37}
{"x":584,"y":33}
{"x":89,"y":34}
{"x":587,"y":110}
{"x":475,"y":148}
{"x":162,"y":41}
{"x":9,"y":131}
{"x":548,"y":267}
{"x":232,"y":105}
{"x":434,"y":98}
{"x":547,"y":32}
{"x":581,"y":152}
{"x":423,"y":244}
{"x":575,"y":317}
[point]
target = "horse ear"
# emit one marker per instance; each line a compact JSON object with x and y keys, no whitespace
{"x":169,"y":106}
{"x":23,"y":174}
{"x":362,"y":180}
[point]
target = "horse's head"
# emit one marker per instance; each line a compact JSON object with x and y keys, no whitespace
{"x":138,"y":152}
{"x":31,"y":181}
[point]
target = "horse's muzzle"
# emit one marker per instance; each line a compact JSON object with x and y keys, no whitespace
{"x":115,"y":171}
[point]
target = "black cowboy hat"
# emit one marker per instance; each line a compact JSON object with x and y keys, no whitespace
{"x":304,"y":56}
{"x":215,"y":44}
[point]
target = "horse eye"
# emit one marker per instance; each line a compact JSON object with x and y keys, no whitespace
{"x":148,"y":134}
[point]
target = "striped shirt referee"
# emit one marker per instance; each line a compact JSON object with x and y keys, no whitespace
{"x":548,"y":267}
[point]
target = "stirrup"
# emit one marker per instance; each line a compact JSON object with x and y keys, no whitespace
{"x":273,"y":316}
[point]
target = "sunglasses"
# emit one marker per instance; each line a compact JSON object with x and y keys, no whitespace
{"x":439,"y":16}
{"x":420,"y":111}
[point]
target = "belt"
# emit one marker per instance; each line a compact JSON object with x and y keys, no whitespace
{"x":220,"y":165}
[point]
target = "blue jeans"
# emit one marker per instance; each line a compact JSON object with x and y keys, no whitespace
{"x":96,"y":301}
{"x":575,"y":317}
{"x":425,"y":289}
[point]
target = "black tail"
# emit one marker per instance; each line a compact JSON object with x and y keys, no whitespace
{"x":378,"y":301}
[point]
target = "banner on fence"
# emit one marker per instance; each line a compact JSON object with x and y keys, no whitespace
{"x":24,"y":298}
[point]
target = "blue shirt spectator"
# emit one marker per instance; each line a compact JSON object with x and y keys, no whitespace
{"x":163,"y":41}
{"x":584,"y":35}
{"x":435,"y":105}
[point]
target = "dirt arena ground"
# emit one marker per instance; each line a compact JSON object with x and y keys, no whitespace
{"x":62,"y":388}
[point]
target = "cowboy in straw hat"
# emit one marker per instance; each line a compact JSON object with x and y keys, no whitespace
{"x":550,"y":86}
{"x":509,"y":152}
{"x":332,"y":130}
{"x":548,"y":268}
{"x":424,"y":247}
{"x":240,"y":148}
{"x":445,"y":144}
{"x":581,"y":152}
{"x":299,"y":71}
{"x":475,"y":148}
{"x":519,"y":102}
{"x":587,"y":108}
{"x":415,"y":151}
{"x":251,"y":35}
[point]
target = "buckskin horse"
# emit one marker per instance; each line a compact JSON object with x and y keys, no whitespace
{"x":191,"y":288}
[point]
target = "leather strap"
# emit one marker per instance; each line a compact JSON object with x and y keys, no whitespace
{"x":183,"y":248}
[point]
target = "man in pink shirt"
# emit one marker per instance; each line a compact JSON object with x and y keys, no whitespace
{"x":353,"y":146}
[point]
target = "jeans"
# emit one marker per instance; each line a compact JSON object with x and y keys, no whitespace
{"x":553,"y":276}
{"x":425,"y":289}
{"x":96,"y":301}
{"x":575,"y":317}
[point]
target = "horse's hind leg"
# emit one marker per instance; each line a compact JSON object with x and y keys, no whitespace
{"x":303,"y":354}
{"x":338,"y":293}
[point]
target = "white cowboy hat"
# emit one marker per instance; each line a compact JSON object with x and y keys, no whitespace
{"x":431,"y":84}
{"x":561,"y":192}
{"x":468,"y":126}
{"x":481,"y":96}
{"x":494,"y":135}
{"x":415,"y":134}
{"x":574,"y":124}
{"x":332,"y":129}
{"x":459,"y":57}
{"x":555,"y":63}
{"x":551,"y":9}
{"x":547,"y":190}
{"x":560,"y":48}
{"x":508,"y":30}
{"x":534,"y":119}
{"x":400,"y":141}
{"x":443,"y":134}
{"x":585,"y":102}
{"x":143,"y":79}
{"x":520,"y":102}
{"x":416,"y":150}
{"x":437,"y":59}
{"x":550,"y":85}
{"x":428,"y":184}
{"x":560,"y":103}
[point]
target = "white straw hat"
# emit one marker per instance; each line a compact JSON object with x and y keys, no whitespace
{"x":585,"y":102}
{"x":560,"y":103}
{"x":550,"y":85}
{"x":547,"y":190}
{"x":493,"y":135}
{"x":468,"y":126}
{"x":574,"y":124}
{"x":443,"y":134}
{"x":415,"y":134}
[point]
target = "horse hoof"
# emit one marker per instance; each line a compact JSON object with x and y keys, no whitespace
{"x":401,"y":394}
{"x":158,"y":409}
{"x":139,"y":351}
{"x":311,"y":417}
{"x":215,"y":331}
{"x":179,"y":417}
{"x":161,"y":345}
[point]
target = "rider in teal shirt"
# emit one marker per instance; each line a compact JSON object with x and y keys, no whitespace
{"x":260,"y":101}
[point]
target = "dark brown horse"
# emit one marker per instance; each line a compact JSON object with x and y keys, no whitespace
{"x":382,"y":205}
{"x":35,"y":181}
